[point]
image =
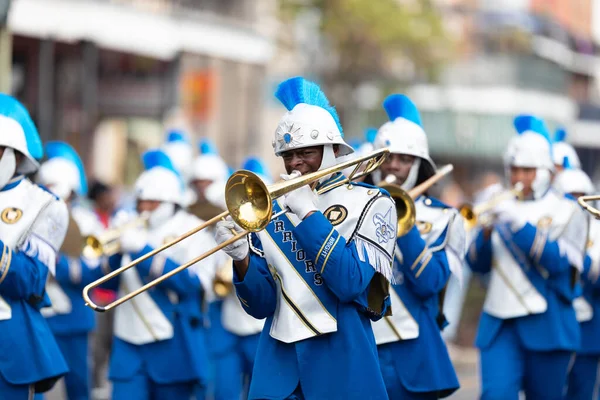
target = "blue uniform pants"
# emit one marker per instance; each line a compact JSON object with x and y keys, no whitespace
{"x":234,"y":368}
{"x":507,"y":367}
{"x":393,"y":383}
{"x":141,"y":387}
{"x":75,"y":351}
{"x":15,"y":392}
{"x":584,"y":379}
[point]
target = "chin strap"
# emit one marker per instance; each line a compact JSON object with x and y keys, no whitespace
{"x":8,"y":166}
{"x":413,"y":174}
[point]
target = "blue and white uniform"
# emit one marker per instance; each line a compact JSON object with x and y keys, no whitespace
{"x":528,"y":331}
{"x":68,"y":317}
{"x":159,"y":345}
{"x":584,"y":377}
{"x":319,"y":273}
{"x":414,"y":360}
{"x":234,"y":334}
{"x":33,"y":224}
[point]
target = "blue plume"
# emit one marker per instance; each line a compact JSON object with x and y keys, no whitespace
{"x":257,"y":166}
{"x":298,"y":90}
{"x":566,"y":163}
{"x":176,"y":135}
{"x":157,"y":158}
{"x":524,"y":123}
{"x":400,"y":106}
{"x":560,"y":135}
{"x":207,"y":146}
{"x":370,"y":134}
{"x":12,"y":108}
{"x":64,"y":150}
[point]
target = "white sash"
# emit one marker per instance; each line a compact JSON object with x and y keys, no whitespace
{"x":5,"y":310}
{"x":399,"y":326}
{"x":140,"y":320}
{"x":236,"y":320}
{"x":510,"y":293}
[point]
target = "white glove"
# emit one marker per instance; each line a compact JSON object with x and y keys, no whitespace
{"x":133,"y":240}
{"x":300,"y":201}
{"x":237,"y":250}
{"x":507,"y":212}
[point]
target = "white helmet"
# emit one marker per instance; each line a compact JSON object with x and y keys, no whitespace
{"x":531,"y":148}
{"x":571,"y":180}
{"x":310,"y":121}
{"x":160,"y":181}
{"x":180,"y":151}
{"x":404,"y":134}
{"x":209,"y":167}
{"x":19,"y":134}
{"x":63,"y":173}
{"x":562,"y":149}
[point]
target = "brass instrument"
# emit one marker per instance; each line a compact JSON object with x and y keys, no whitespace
{"x":474,"y":214}
{"x":405,"y":201}
{"x":223,"y":281}
{"x":250,"y":204}
{"x":583,"y":202}
{"x":108,"y":243}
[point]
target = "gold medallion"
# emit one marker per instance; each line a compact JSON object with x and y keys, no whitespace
{"x":424,"y":227}
{"x":336,"y":214}
{"x":11,"y":215}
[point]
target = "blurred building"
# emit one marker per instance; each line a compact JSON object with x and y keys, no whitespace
{"x":514,"y":56}
{"x":110,"y":76}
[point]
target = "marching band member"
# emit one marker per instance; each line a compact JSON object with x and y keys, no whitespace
{"x":584,"y":377}
{"x":208,"y":176}
{"x":528,"y":329}
{"x":69,"y":319}
{"x":235,"y":334}
{"x":33,"y":224}
{"x":319,"y":273}
{"x":159,"y":350}
{"x":562,"y":149}
{"x":180,"y":151}
{"x":414,"y":360}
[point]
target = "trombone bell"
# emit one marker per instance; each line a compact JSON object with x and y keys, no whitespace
{"x":405,"y":208}
{"x":249,"y":201}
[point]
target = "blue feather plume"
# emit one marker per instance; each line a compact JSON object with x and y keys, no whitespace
{"x":370,"y":134}
{"x":12,"y":108}
{"x":157,"y":158}
{"x":176,"y":135}
{"x":56,"y":149}
{"x":524,"y":123}
{"x":257,"y":166}
{"x":207,"y":146}
{"x":298,"y":90}
{"x":400,"y":106}
{"x":560,"y":135}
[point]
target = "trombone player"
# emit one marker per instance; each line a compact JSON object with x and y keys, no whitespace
{"x":528,"y":330}
{"x":584,"y":376}
{"x":159,"y":345}
{"x":320,"y":272}
{"x":69,"y":319}
{"x":414,"y":360}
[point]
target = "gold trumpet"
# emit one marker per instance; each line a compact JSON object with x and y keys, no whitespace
{"x":473,"y":214}
{"x":108,"y":243}
{"x":583,"y":202}
{"x":405,"y":201}
{"x":250,"y":204}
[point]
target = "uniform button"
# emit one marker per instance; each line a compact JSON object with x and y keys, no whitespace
{"x":427,"y":202}
{"x":370,"y":192}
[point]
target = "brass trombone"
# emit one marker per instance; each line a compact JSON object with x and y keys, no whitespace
{"x":250,"y":204}
{"x":473,"y":214}
{"x":405,"y":201}
{"x":108,"y":243}
{"x":583,"y":202}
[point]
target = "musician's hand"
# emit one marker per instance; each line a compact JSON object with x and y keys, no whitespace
{"x":237,"y":250}
{"x":507,"y":212}
{"x":133,"y":240}
{"x":302,"y":201}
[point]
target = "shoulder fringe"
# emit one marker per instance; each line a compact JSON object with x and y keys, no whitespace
{"x":377,"y":258}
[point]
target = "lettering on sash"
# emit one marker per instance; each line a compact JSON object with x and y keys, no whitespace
{"x":300,"y":254}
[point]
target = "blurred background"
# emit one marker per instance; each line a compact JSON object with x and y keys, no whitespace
{"x":112,"y":76}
